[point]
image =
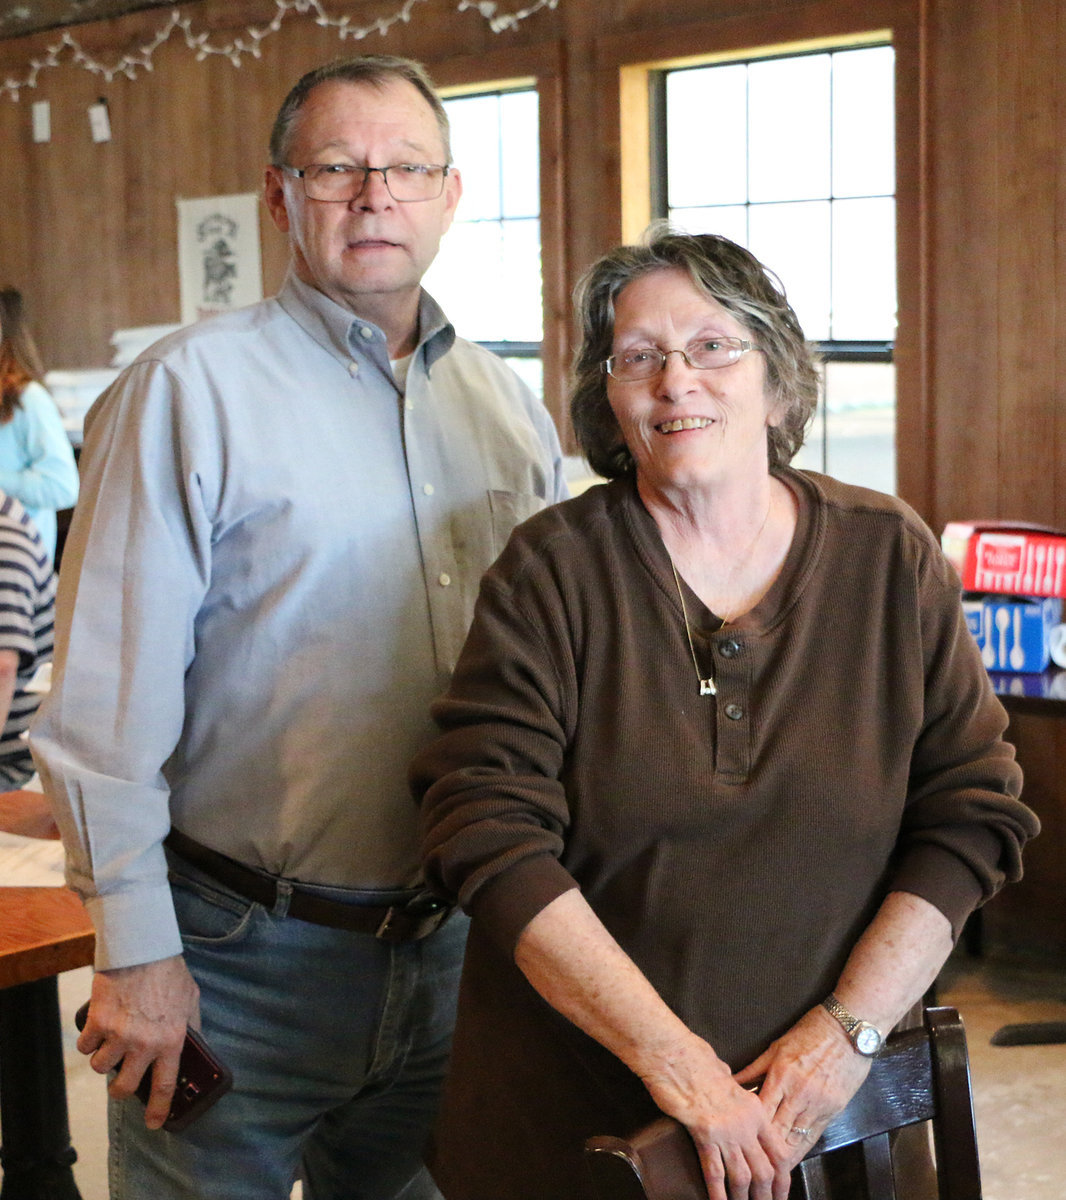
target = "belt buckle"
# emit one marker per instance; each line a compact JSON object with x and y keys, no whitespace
{"x":413,"y":920}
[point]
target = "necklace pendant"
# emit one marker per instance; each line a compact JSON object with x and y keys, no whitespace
{"x":707,"y":687}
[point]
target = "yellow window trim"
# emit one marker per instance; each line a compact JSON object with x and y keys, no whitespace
{"x":634,"y":82}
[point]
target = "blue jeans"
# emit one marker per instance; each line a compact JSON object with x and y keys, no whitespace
{"x":337,"y":1042}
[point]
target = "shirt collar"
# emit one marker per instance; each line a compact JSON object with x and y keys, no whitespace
{"x":339,"y":332}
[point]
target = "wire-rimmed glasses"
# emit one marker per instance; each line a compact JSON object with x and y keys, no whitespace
{"x":706,"y":354}
{"x":340,"y":183}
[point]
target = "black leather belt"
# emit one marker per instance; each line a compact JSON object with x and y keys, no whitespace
{"x":408,"y":921}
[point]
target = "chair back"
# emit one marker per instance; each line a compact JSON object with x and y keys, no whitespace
{"x":922,"y":1075}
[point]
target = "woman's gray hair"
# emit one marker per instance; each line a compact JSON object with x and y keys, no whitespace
{"x":733,"y":277}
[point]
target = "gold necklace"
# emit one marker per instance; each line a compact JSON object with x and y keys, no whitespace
{"x":707,"y":685}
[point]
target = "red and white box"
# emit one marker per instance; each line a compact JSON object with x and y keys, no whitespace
{"x":1007,"y":557}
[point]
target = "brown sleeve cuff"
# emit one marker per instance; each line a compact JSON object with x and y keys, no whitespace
{"x":945,"y":880}
{"x":505,"y":905}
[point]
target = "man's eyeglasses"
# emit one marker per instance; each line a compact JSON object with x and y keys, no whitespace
{"x":341,"y":183}
{"x":645,"y":362}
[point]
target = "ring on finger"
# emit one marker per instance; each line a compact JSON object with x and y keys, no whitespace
{"x":801,"y":1131}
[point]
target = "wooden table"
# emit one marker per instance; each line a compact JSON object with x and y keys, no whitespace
{"x":42,"y":931}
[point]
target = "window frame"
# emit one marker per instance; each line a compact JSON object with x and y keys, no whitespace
{"x":630,"y":57}
{"x":830,"y":350}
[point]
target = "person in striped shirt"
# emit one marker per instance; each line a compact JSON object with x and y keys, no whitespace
{"x":27,"y":608}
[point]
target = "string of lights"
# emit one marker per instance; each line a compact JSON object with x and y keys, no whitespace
{"x":69,"y":51}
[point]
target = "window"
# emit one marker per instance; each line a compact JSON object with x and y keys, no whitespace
{"x":487,"y":276}
{"x":793,"y":156}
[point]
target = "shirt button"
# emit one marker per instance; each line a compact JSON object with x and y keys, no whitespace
{"x":444,"y":579}
{"x":729,"y":649}
{"x":409,"y":405}
{"x":427,"y":488}
{"x":734,"y":712}
{"x":353,"y":367}
{"x":366,"y":333}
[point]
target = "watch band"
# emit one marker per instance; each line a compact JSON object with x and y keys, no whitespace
{"x":866,"y":1038}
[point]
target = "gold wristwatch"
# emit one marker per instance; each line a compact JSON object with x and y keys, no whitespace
{"x":866,"y":1038}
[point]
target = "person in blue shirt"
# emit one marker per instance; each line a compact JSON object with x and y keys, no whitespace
{"x":37,"y":464}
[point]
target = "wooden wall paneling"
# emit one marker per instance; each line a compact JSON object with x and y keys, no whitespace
{"x":149,"y":284}
{"x":557,"y":344}
{"x":1028,"y":153}
{"x":965,"y":230}
{"x":1058,"y":297}
{"x":593,"y":213}
{"x":916,"y":271}
{"x":78,"y":229}
{"x":19,"y":192}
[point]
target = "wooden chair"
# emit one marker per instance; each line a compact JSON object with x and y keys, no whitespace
{"x":921,"y":1075}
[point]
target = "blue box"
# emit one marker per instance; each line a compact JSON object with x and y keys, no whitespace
{"x":1012,"y":633}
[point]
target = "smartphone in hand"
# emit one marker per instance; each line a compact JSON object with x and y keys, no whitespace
{"x":202,"y":1079}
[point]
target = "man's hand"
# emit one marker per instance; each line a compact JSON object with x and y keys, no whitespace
{"x":137,"y":1018}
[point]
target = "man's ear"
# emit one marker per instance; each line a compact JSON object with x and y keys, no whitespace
{"x":453,"y":190}
{"x":274,"y":197}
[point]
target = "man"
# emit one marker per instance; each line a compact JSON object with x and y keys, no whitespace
{"x":285,"y":516}
{"x":27,"y":608}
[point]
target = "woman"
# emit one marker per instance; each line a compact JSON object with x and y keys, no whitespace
{"x":719,"y":749}
{"x":36,"y":460}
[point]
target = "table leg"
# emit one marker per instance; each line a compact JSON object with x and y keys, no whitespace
{"x":36,"y":1154}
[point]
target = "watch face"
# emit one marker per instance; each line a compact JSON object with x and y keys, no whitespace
{"x":867,"y":1039}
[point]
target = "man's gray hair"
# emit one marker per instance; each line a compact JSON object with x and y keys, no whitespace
{"x":377,"y":70}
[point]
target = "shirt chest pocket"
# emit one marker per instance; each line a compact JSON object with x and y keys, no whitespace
{"x":477,"y":533}
{"x":506,"y":510}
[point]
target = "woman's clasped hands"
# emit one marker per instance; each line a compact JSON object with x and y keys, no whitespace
{"x":741,"y":1150}
{"x":752,"y":1128}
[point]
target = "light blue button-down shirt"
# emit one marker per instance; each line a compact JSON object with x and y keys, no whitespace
{"x":268,"y":577}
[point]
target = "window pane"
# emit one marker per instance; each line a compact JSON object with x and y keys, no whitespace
{"x":864,"y":270}
{"x":819,"y":210}
{"x":861,"y":423}
{"x":487,"y":279}
{"x":519,"y":312}
{"x":864,"y":125}
{"x":487,"y":275}
{"x":475,"y":126}
{"x":789,"y":109}
{"x":793,"y":240}
{"x":469,"y":297}
{"x":530,"y":371}
{"x":730,"y":221}
{"x":811,"y":455}
{"x":707,"y":106}
{"x":520,"y":152}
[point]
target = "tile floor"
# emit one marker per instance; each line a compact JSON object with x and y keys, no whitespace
{"x":1019,"y":1091}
